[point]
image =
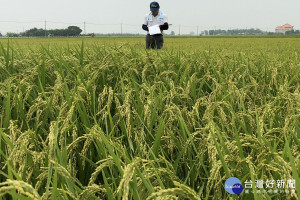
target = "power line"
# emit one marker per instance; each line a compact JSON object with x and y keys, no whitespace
{"x":54,"y":22}
{"x":103,"y":24}
{"x":22,"y":22}
{"x":124,"y":24}
{"x":182,"y":29}
{"x":131,"y":25}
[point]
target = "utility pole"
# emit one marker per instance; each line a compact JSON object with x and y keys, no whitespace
{"x":214,"y":30}
{"x":179,"y":30}
{"x":84,"y":28}
{"x":121,"y":28}
{"x":197,"y":31}
{"x":45,"y":28}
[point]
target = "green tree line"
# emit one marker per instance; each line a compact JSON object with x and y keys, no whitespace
{"x":39,"y":32}
{"x":293,"y":32}
{"x":251,"y":31}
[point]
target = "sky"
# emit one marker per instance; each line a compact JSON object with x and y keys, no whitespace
{"x":107,"y":16}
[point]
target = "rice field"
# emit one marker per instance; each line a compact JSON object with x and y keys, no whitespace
{"x":103,"y":118}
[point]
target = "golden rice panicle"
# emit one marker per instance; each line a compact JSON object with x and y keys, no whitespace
{"x":52,"y":139}
{"x":180,"y":191}
{"x":105,"y":163}
{"x":127,"y":177}
{"x":92,"y":191}
{"x":22,"y":187}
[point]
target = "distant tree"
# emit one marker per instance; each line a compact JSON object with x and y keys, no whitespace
{"x":73,"y":30}
{"x":172,"y":33}
{"x":34,"y":32}
{"x":272,"y":33}
{"x":293,"y":32}
{"x":59,"y":32}
{"x":251,"y":31}
{"x":10,"y":34}
{"x":0,"y":35}
{"x":70,"y":31}
{"x":117,"y":34}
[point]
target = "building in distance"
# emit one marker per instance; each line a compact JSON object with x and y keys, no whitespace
{"x":284,"y":28}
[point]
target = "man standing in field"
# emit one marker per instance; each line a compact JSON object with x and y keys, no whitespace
{"x":156,"y":21}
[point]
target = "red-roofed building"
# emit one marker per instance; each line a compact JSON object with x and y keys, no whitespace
{"x":284,"y":28}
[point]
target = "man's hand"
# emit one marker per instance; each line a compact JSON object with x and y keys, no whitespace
{"x":165,"y":26}
{"x":145,"y":27}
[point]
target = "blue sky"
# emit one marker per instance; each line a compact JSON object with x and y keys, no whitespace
{"x":107,"y":16}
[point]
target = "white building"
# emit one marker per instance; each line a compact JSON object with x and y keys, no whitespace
{"x":284,"y":28}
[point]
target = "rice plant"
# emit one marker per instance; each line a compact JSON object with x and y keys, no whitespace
{"x":107,"y":119}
